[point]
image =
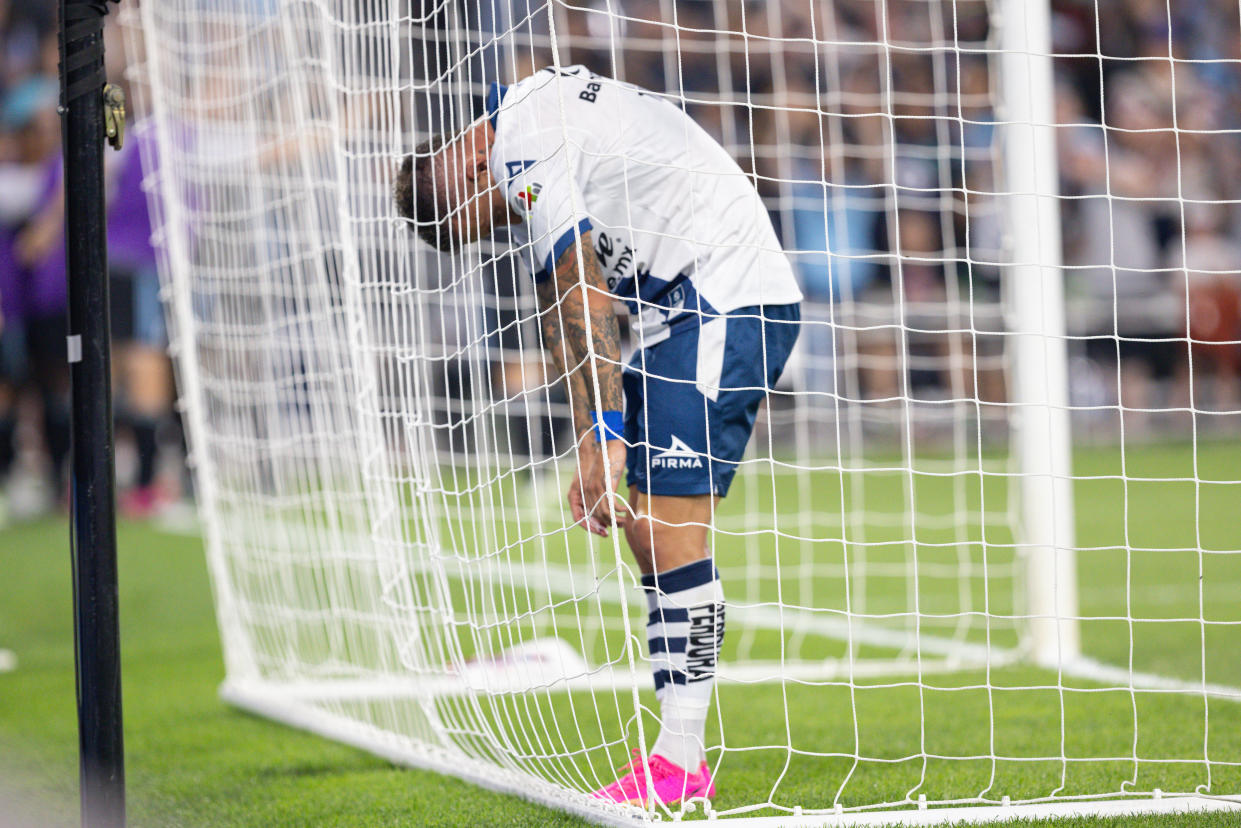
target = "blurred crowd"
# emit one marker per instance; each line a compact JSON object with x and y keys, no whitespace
{"x":34,"y":371}
{"x":870,"y":130}
{"x":1151,"y":218}
{"x":877,"y":151}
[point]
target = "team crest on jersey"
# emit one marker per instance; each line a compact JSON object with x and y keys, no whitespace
{"x":512,"y":169}
{"x":525,"y":198}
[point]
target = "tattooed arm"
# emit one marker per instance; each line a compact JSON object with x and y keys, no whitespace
{"x":565,"y":301}
{"x":573,"y":295}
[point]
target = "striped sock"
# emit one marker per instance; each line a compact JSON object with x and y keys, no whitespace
{"x":684,"y":629}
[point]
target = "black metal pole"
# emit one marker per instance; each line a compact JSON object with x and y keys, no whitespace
{"x":93,"y":496}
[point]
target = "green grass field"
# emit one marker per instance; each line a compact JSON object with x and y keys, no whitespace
{"x":194,"y":761}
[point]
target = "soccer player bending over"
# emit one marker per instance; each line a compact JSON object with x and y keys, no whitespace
{"x":614,"y":194}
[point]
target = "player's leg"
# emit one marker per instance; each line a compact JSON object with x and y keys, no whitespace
{"x":673,"y":504}
{"x":674,"y":528}
{"x":147,"y":389}
{"x":12,"y":356}
{"x":145,"y":379}
{"x":9,"y":376}
{"x":669,"y":538}
{"x":49,"y":370}
{"x":691,"y":402}
{"x":8,"y":425}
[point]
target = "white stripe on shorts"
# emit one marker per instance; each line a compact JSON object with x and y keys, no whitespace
{"x":711,"y":357}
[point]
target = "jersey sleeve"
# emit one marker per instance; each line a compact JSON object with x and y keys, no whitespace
{"x":539,"y":174}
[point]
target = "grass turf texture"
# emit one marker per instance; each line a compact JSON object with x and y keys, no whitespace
{"x":193,"y":761}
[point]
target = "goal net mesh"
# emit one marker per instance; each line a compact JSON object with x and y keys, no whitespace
{"x":381,"y":449}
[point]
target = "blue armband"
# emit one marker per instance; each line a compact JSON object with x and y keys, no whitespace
{"x":610,"y":427}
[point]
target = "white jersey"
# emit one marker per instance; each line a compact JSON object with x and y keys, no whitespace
{"x":676,"y":225}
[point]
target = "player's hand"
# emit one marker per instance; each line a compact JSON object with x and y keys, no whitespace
{"x":593,"y":496}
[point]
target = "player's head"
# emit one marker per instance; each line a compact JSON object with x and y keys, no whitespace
{"x":445,"y":188}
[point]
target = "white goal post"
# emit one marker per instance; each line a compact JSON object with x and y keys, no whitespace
{"x":976,"y":564}
{"x":1034,"y":282}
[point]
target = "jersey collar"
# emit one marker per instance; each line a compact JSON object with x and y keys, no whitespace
{"x":495,"y":97}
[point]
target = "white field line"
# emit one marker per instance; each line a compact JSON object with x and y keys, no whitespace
{"x":8,"y":661}
{"x":562,"y":580}
{"x":530,"y":678}
{"x":1008,"y":814}
{"x":1120,"y":678}
{"x":511,"y":780}
{"x":956,"y":653}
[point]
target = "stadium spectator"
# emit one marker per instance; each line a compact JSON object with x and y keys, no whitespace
{"x":841,"y":134}
{"x":31,"y":299}
{"x":141,"y":368}
{"x":33,"y":319}
{"x":38,"y":276}
{"x":1207,"y":269}
{"x":1149,"y":140}
{"x":1113,"y":246}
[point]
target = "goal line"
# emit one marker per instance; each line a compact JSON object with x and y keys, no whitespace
{"x":918,"y":652}
{"x":273,"y":703}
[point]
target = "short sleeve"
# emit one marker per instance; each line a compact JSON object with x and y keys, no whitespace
{"x":539,"y":176}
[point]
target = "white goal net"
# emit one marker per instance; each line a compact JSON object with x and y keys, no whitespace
{"x":1013,"y":221}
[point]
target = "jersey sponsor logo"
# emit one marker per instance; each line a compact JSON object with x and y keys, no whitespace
{"x":706,"y":632}
{"x":524,"y":200}
{"x":616,"y":257}
{"x":677,"y":456}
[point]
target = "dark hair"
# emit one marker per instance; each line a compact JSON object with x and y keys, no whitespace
{"x":420,"y":199}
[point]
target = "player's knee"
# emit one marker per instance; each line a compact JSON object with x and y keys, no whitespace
{"x":640,"y":534}
{"x":659,"y":546}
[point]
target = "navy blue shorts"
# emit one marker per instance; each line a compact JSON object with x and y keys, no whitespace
{"x":691,"y":399}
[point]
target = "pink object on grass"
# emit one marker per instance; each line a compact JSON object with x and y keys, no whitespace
{"x":671,"y":782}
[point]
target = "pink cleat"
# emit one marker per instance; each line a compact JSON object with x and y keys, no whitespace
{"x":671,"y":783}
{"x":142,"y":502}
